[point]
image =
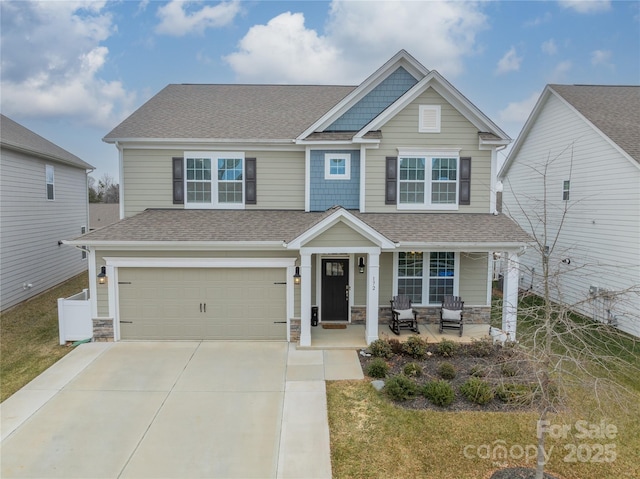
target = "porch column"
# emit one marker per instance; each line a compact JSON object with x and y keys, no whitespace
{"x":305,"y":299}
{"x":510,"y":295}
{"x":373,"y":281}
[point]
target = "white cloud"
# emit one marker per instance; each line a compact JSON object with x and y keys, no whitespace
{"x":60,"y":75}
{"x":546,"y":18}
{"x":438,"y":34}
{"x":177,"y":18}
{"x":586,"y":6}
{"x":509,"y":62}
{"x":519,"y":111}
{"x":549,"y":47}
{"x":559,"y":73}
{"x":601,"y":58}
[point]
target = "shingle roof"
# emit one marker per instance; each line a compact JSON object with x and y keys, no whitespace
{"x":15,"y":136}
{"x":614,"y":110}
{"x":242,"y":112}
{"x":280,"y":225}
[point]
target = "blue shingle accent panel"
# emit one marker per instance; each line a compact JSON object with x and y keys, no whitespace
{"x":378,"y":99}
{"x":327,"y":193}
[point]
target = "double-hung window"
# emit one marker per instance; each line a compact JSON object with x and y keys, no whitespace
{"x":428,"y":180}
{"x":214,"y":180}
{"x":426,"y":277}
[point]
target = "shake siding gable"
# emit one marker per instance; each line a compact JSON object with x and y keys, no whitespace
{"x":456,"y":132}
{"x":601,"y":232}
{"x":148,"y":179}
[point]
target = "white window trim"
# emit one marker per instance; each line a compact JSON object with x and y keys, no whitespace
{"x":48,"y":168}
{"x":214,"y":156}
{"x":426,"y":255}
{"x":428,"y":156}
{"x":422,"y":109}
{"x":337,"y":156}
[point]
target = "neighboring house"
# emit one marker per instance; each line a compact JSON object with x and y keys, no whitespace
{"x":43,"y":200}
{"x":580,"y":149}
{"x":249,"y":208}
{"x":103,"y":214}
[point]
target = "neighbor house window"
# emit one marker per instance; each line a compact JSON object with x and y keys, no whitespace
{"x":428,"y":180}
{"x":214,"y":180}
{"x":429,"y":120}
{"x":83,"y":230}
{"x":566,"y":186}
{"x":426,"y":277}
{"x":337,"y":166}
{"x":49,"y":181}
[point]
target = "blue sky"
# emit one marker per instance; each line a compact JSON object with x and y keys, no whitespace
{"x":71,"y":71}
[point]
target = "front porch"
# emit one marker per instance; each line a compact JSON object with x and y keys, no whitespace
{"x":353,"y":337}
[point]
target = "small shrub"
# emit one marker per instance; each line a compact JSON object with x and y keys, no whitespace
{"x":377,"y":368}
{"x":515,"y":393}
{"x":400,"y":388}
{"x":447,"y":348}
{"x":412,"y":370}
{"x":509,"y":370}
{"x":447,"y":371}
{"x":380,"y":349}
{"x":478,"y":371}
{"x":476,"y":390}
{"x":416,"y":347}
{"x":481,"y":348}
{"x":439,"y":392}
{"x":396,"y":346}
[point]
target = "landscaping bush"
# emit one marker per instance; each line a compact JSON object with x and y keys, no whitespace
{"x":380,"y":349}
{"x":439,"y":392}
{"x":447,"y":348}
{"x":509,"y":370}
{"x":396,"y":346}
{"x":513,"y":393}
{"x":476,"y":390}
{"x":447,"y":371}
{"x":377,"y":368}
{"x":400,"y":388}
{"x":416,"y":347}
{"x":478,"y":371}
{"x":481,"y":348}
{"x":412,"y":370}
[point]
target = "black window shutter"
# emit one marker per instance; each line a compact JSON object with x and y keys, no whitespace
{"x":464,"y":198}
{"x":250,"y":197}
{"x":178,"y":180}
{"x":391,"y":186}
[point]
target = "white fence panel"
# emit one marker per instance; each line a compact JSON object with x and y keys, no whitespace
{"x":74,"y":317}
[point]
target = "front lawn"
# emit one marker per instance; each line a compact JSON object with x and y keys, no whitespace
{"x":29,"y":336}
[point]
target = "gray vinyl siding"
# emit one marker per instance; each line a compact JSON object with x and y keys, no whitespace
{"x":148,"y":180}
{"x":456,"y":132}
{"x":473,"y":278}
{"x":601,"y":231}
{"x":31,"y":225}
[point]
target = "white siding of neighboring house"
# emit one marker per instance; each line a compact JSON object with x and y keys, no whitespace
{"x":601,"y":232}
{"x":31,"y":225}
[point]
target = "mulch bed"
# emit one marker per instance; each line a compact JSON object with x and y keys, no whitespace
{"x":518,"y":370}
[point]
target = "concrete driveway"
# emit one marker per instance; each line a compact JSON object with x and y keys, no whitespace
{"x":175,"y":410}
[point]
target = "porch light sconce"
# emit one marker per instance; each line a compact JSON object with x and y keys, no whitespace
{"x":361,"y":264}
{"x":296,"y":276}
{"x":102,"y":276}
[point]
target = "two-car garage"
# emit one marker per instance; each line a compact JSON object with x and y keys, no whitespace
{"x":199,"y":303}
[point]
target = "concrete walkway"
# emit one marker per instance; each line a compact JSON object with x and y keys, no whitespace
{"x":175,"y":410}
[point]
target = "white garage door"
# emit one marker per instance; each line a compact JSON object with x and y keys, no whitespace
{"x":199,"y":303}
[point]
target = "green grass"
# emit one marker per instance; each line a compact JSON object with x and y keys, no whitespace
{"x":29,"y":336}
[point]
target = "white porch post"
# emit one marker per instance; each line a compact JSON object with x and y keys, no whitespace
{"x":373,"y":281}
{"x":510,"y":295}
{"x":305,"y":299}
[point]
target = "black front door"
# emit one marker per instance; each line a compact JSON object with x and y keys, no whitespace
{"x":335,"y":290}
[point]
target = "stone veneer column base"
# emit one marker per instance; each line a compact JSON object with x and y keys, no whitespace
{"x":431,"y":315}
{"x":294,"y":330}
{"x":102,"y":330}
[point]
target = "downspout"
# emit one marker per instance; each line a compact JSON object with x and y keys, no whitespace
{"x":121,"y":179}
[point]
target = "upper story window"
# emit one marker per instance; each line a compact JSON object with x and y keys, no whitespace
{"x":428,"y":180}
{"x":429,"y":121}
{"x":337,"y":166}
{"x":49,"y":182}
{"x":214,"y":180}
{"x":566,"y":187}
